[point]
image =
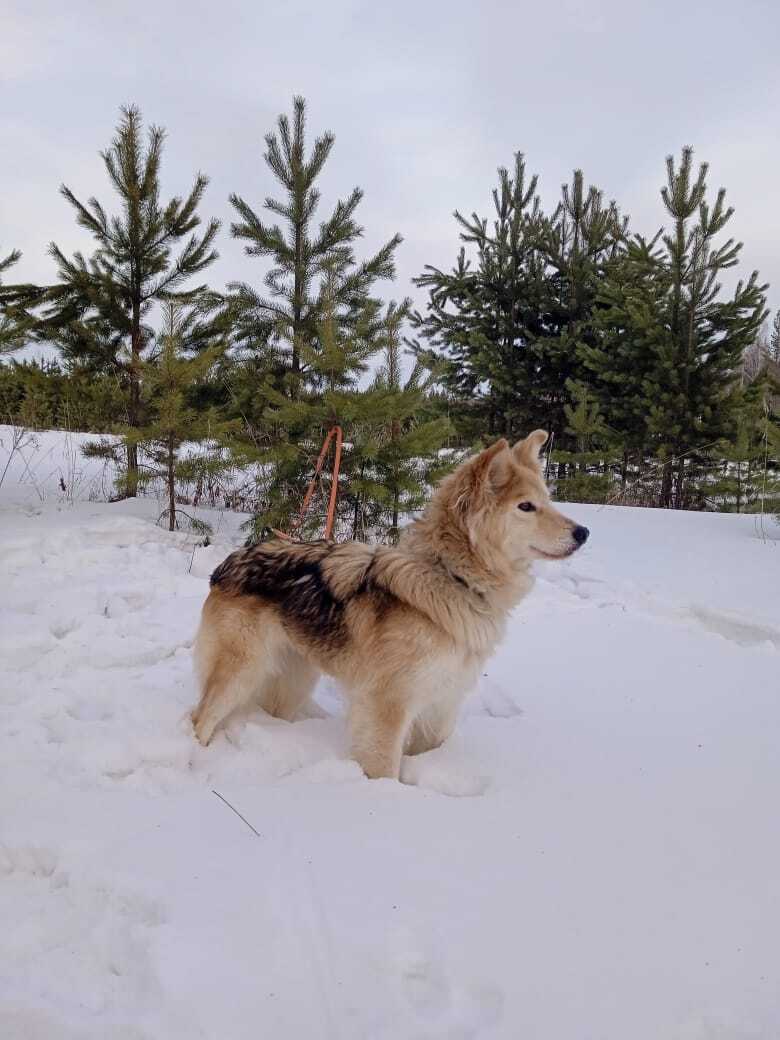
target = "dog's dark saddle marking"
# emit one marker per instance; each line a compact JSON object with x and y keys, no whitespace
{"x":292,"y":579}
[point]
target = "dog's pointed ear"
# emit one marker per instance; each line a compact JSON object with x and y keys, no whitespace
{"x":474,"y":484}
{"x":489,"y":466}
{"x":527,"y":451}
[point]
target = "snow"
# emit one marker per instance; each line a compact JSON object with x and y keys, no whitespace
{"x":611,"y":870}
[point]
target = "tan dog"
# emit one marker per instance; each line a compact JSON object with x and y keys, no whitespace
{"x":404,"y":629}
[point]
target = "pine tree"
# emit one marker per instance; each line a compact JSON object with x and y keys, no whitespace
{"x":581,"y":238}
{"x":98,"y":313}
{"x":627,"y":352}
{"x":308,"y":337}
{"x":482,"y":319}
{"x":285,"y":321}
{"x":177,"y":362}
{"x":398,"y":459}
{"x":749,"y":462}
{"x":589,"y":479}
{"x":334,"y":364}
{"x":692,"y":402}
{"x":666,"y":359}
{"x":391,"y":446}
{"x":509,"y":326}
{"x":15,"y":320}
{"x":774,"y":339}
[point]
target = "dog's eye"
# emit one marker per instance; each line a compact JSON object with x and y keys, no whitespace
{"x":527,"y":507}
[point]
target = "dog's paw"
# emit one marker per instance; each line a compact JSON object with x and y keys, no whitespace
{"x":445,"y":771}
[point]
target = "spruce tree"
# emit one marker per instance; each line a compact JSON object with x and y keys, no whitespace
{"x":283,"y":321}
{"x":98,"y":312}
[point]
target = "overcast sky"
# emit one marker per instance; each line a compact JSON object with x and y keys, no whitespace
{"x":426,"y":99}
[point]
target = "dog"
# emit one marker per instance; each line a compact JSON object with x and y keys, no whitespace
{"x":404,"y":629}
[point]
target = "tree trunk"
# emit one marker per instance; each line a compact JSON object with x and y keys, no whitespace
{"x":134,"y":416}
{"x":297,"y":289}
{"x":355,"y":515}
{"x":679,"y":485}
{"x":171,"y":486}
{"x":665,"y":498}
{"x":395,"y":434}
{"x":394,"y":528}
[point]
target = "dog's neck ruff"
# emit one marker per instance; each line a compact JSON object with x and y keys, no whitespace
{"x":453,"y":574}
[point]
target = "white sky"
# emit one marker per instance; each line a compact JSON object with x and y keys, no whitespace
{"x":426,"y":99}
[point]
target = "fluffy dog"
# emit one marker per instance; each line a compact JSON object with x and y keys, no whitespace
{"x":404,"y":629}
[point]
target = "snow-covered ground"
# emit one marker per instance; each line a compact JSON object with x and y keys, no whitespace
{"x":613,"y":872}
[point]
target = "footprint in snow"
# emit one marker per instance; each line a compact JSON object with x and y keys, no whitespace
{"x":430,"y":1004}
{"x":495,"y":700}
{"x":72,"y":944}
{"x":443,"y":770}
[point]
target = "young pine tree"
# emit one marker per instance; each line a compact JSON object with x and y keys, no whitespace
{"x":629,"y":350}
{"x":15,"y":321}
{"x":692,"y":399}
{"x":98,"y":312}
{"x":774,"y":339}
{"x":483,"y":319}
{"x":398,"y":459}
{"x":178,"y":362}
{"x":283,"y":323}
{"x":665,"y":361}
{"x":588,"y":478}
{"x":748,"y":460}
{"x":581,"y":238}
{"x":329,"y":396}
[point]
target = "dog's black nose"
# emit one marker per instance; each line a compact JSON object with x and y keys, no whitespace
{"x":580,"y":535}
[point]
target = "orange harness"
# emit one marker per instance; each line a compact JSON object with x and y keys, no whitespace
{"x":331,"y":516}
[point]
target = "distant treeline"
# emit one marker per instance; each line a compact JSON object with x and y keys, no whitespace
{"x":656,"y":385}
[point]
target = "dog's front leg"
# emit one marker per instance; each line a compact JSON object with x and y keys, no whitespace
{"x":379,"y":720}
{"x":430,"y":729}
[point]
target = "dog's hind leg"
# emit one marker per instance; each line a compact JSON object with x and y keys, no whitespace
{"x":289,"y":691}
{"x":229,"y":685}
{"x":237,"y":651}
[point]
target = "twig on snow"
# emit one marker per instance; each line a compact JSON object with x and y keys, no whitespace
{"x":238,"y":814}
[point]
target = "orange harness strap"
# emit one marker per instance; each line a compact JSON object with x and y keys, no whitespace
{"x":331,"y":515}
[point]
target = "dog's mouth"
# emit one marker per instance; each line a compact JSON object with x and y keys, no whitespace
{"x":554,"y":556}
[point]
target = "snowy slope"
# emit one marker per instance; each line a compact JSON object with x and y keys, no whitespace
{"x":611,"y":874}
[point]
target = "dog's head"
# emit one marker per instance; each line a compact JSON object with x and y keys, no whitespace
{"x":500,"y":499}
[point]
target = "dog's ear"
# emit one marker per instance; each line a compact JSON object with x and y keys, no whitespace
{"x":489,"y":468}
{"x":475,"y":483}
{"x":527,"y":451}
